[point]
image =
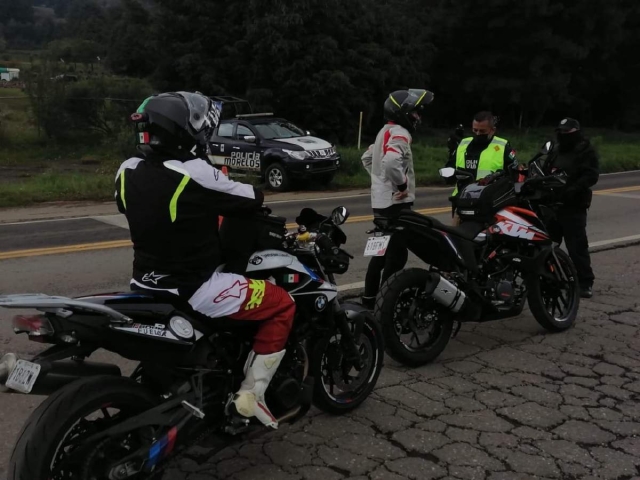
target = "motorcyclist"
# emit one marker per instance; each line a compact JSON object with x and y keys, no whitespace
{"x":389,"y":162}
{"x":172,"y":198}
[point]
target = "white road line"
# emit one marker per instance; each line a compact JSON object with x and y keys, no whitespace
{"x":613,"y":241}
{"x":618,"y":173}
{"x":46,"y":220}
{"x":601,"y":243}
{"x":351,"y":286}
{"x":267,"y":202}
{"x":97,"y":217}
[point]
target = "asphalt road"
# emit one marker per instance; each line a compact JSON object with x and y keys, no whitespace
{"x":614,"y":216}
{"x":19,"y":237}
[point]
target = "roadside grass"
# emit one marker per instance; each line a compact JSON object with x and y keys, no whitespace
{"x":618,"y":152}
{"x":36,"y":169}
{"x":49,"y":187}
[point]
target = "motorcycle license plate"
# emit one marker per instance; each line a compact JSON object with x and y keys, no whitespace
{"x":23,"y":377}
{"x":376,"y":246}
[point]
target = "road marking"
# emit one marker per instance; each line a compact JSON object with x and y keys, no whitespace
{"x":436,"y":189}
{"x":592,"y":245}
{"x":632,"y":196}
{"x":85,"y":247}
{"x":351,"y":286}
{"x":602,"y":243}
{"x":127,"y":243}
{"x":278,"y":202}
{"x":617,"y":190}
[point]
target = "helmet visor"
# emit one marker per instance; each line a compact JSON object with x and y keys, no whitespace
{"x":417,"y":98}
{"x":202,"y":112}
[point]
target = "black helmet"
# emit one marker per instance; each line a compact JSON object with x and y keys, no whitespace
{"x":404,"y":107}
{"x":176,"y":125}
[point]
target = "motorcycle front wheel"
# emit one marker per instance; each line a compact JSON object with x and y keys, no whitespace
{"x":59,"y":425}
{"x":340,"y":386}
{"x":554,"y":296}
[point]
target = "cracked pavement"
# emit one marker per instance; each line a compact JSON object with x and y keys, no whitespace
{"x":505,"y":401}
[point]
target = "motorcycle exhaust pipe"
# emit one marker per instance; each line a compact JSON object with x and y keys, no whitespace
{"x":447,"y":294}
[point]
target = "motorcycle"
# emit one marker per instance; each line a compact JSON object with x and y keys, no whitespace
{"x":487,"y":268}
{"x":99,"y":424}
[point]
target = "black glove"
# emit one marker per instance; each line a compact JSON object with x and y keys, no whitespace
{"x":490,"y":178}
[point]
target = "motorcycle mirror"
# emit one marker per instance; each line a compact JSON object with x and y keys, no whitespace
{"x":546,"y":148}
{"x":447,"y":172}
{"x":339,"y":215}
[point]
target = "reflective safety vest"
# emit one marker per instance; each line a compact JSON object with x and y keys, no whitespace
{"x":491,"y":158}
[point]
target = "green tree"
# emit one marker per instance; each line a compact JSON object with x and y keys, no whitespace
{"x":129,"y":51}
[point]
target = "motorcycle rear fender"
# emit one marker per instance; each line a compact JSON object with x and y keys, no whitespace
{"x":57,"y":369}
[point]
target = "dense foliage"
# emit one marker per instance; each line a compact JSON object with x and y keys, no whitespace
{"x":321,"y":62}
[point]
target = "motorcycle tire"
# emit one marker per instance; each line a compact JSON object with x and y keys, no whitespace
{"x":411,"y":280}
{"x":327,"y":365}
{"x":44,"y":434}
{"x":540,"y":292}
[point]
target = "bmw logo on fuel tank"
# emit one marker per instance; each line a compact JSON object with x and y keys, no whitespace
{"x":321,"y":303}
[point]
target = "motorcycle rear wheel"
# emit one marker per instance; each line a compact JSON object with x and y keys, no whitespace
{"x":61,"y":421}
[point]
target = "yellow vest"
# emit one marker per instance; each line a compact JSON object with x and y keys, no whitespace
{"x":491,"y":158}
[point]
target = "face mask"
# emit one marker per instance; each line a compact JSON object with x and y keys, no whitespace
{"x":567,"y":141}
{"x":481,"y":138}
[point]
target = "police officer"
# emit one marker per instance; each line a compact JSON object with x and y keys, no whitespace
{"x":483,"y":153}
{"x":576,"y":157}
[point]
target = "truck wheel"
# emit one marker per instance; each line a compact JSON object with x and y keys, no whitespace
{"x":277,"y":177}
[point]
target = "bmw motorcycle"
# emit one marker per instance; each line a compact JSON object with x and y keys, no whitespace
{"x":487,"y":268}
{"x":99,"y":424}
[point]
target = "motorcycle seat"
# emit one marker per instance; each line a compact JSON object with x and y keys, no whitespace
{"x":162,"y":304}
{"x":467,"y":230}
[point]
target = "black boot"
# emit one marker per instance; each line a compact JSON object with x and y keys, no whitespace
{"x":369,"y":302}
{"x":586,"y":292}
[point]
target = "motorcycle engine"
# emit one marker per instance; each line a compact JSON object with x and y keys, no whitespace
{"x":285,"y":390}
{"x":502,"y":285}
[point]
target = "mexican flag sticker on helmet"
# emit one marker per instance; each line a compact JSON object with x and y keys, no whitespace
{"x":143,"y":137}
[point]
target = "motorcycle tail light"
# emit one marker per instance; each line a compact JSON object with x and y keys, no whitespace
{"x":36,"y":325}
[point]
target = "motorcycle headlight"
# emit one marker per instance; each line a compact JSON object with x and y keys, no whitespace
{"x":298,"y":155}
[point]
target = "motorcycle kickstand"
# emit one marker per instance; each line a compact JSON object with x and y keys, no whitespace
{"x":458,"y":326}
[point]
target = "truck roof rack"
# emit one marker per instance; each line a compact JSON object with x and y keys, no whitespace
{"x":229,"y":99}
{"x":232,"y":106}
{"x":248,"y":115}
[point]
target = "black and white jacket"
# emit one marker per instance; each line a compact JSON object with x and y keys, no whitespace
{"x":172,"y":208}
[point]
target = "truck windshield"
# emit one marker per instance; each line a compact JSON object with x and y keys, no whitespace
{"x":279,"y":129}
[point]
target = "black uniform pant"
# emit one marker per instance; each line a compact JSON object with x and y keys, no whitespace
{"x":395,"y":258}
{"x":570,"y":224}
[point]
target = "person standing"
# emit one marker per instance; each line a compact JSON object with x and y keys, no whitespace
{"x":578,"y":159}
{"x":389,"y":162}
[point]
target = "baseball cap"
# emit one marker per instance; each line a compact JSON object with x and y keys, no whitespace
{"x":567,"y":124}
